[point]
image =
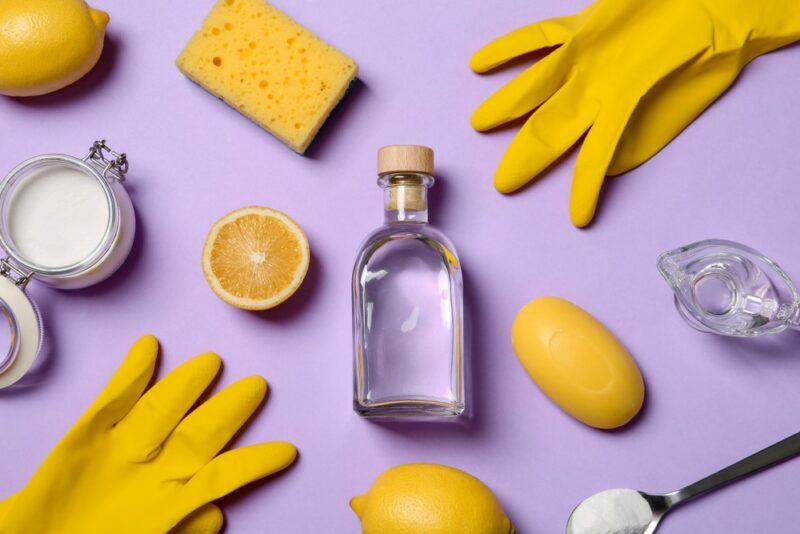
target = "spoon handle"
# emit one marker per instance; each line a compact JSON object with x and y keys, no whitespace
{"x":774,"y":454}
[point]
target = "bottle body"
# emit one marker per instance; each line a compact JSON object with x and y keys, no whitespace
{"x":408,"y":320}
{"x":408,"y":325}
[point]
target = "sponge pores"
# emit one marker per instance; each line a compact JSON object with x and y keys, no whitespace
{"x":269,"y":68}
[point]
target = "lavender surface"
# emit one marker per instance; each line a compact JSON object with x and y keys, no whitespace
{"x":732,"y":174}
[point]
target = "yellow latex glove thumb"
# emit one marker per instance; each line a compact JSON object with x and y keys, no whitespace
{"x":135,"y":462}
{"x":631,"y":73}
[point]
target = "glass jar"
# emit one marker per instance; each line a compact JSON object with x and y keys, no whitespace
{"x":66,"y":222}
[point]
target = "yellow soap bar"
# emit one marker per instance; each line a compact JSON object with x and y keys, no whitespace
{"x":269,"y":68}
{"x":578,"y":363}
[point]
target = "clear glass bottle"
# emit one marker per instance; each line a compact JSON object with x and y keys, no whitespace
{"x":407,"y":302}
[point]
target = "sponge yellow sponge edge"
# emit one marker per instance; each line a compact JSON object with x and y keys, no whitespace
{"x":269,"y":68}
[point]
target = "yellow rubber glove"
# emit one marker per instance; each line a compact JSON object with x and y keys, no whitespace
{"x":136,"y":463}
{"x":207,"y":519}
{"x":633,"y":73}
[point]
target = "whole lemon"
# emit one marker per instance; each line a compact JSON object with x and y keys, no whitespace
{"x":430,"y":499}
{"x":47,"y":44}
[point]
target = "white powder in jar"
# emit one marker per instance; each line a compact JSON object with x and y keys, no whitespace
{"x":57,"y":216}
{"x":616,"y":511}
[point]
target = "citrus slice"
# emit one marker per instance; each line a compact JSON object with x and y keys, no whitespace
{"x":255,"y":257}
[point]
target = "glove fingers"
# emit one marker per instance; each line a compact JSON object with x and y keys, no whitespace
{"x":126,"y":386}
{"x":230,"y":471}
{"x":207,"y":519}
{"x":522,"y":94}
{"x":543,"y":34}
{"x":205,"y":431}
{"x":668,"y":108}
{"x":546,"y":135}
{"x":160,"y":410}
{"x":593,"y":161}
{"x":5,"y":505}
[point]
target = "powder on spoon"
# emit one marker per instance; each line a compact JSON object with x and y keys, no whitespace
{"x":57,"y":216}
{"x":616,"y":511}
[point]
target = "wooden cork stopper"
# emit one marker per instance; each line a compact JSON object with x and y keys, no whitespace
{"x":405,"y":158}
{"x":406,"y":198}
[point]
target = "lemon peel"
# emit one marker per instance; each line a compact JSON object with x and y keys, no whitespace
{"x":46,"y":45}
{"x":430,"y":498}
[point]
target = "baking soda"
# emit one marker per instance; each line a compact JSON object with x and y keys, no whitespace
{"x":616,"y":511}
{"x":57,"y":216}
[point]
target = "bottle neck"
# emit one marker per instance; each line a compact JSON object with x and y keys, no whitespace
{"x":405,"y":197}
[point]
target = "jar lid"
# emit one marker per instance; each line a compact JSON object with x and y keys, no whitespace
{"x":20,"y":332}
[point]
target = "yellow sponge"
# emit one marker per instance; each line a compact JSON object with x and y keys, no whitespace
{"x":269,"y":68}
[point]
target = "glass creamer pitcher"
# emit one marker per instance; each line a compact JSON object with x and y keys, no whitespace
{"x":728,"y":288}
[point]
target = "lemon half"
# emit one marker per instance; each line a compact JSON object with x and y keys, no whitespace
{"x":255,"y":257}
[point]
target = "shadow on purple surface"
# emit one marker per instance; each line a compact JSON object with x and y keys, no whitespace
{"x":254,"y":489}
{"x":336,"y":119}
{"x":297,"y":303}
{"x":567,"y":154}
{"x":520,"y":63}
{"x":776,"y":347}
{"x":257,"y":490}
{"x":120,"y":277}
{"x":78,"y":90}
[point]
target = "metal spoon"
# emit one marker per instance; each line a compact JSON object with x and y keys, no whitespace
{"x":661,"y":504}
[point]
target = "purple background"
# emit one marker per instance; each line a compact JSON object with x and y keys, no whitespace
{"x":731,"y":174}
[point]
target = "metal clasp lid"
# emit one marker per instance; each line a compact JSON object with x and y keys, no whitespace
{"x":14,"y":273}
{"x":111,"y":164}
